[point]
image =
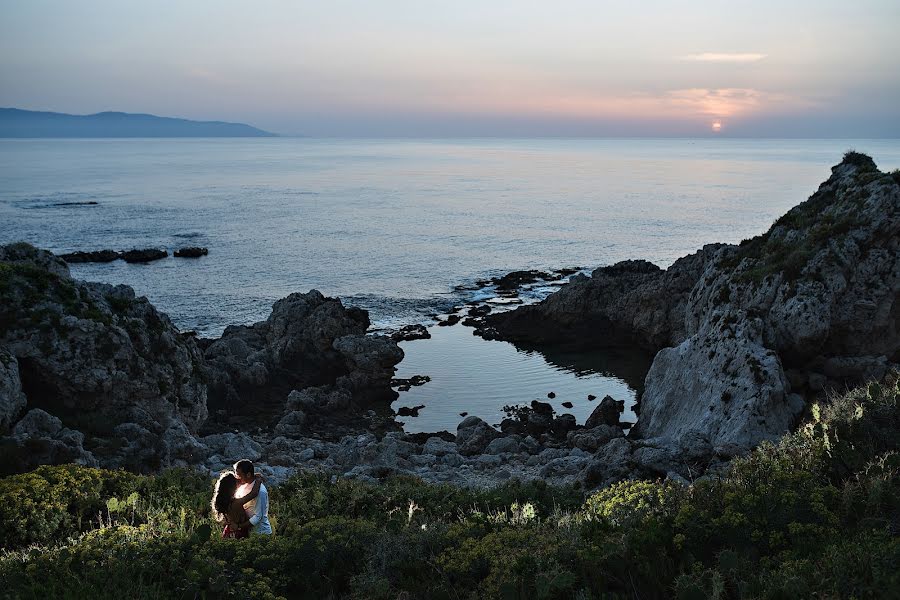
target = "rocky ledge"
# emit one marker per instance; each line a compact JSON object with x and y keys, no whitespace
{"x":745,"y":336}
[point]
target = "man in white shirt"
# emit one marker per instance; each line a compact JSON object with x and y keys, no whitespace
{"x":258,"y":508}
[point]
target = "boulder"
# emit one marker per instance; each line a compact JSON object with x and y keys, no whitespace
{"x":563,"y":424}
{"x":233,"y":446}
{"x":292,"y":424}
{"x":606,"y":413}
{"x":473,"y":436}
{"x":308,"y":341}
{"x":592,"y":439}
{"x":503,"y":445}
{"x":438,"y":447}
{"x":40,"y":438}
{"x":722,"y":383}
{"x":610,"y":464}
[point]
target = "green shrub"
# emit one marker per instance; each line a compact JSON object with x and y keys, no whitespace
{"x":814,"y":515}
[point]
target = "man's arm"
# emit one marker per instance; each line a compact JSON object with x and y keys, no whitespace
{"x":253,"y":492}
{"x":262,"y":505}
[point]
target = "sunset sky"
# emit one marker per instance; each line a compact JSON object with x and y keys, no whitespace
{"x":768,"y":68}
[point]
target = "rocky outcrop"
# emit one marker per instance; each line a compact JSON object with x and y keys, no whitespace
{"x":310,"y":344}
{"x":107,"y":379}
{"x":94,"y":355}
{"x":630,"y":302}
{"x":744,"y":335}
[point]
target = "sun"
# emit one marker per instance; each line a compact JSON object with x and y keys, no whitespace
{"x":717,"y":126}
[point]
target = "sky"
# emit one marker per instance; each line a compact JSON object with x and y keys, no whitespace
{"x":436,"y":68}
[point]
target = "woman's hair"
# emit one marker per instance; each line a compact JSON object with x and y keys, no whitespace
{"x":223,"y":494}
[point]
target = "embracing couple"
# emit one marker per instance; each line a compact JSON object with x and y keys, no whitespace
{"x":241,"y":501}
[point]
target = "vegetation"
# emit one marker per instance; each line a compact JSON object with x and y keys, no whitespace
{"x":805,"y":230}
{"x":816,"y":515}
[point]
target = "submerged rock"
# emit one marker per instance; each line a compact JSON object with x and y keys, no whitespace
{"x":411,"y":332}
{"x":191,"y":252}
{"x":101,"y":256}
{"x":143,"y":256}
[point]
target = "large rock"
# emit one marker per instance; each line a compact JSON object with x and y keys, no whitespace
{"x":94,"y":355}
{"x":39,"y":438}
{"x":473,"y":436}
{"x":721,"y":382}
{"x":308,"y":340}
{"x":606,"y":413}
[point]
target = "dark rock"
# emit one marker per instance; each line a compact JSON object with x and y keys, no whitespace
{"x":421,"y":438}
{"x":451,"y":320}
{"x":606,"y":413}
{"x":516,"y":279}
{"x":479,"y":311}
{"x":542,"y":407}
{"x":308,"y":340}
{"x":551,"y":395}
{"x":473,"y":435}
{"x":567,"y":404}
{"x":100,"y":256}
{"x":591,"y":397}
{"x":592,"y":439}
{"x":563,"y":424}
{"x":411,"y":332}
{"x":191,"y":252}
{"x":415,"y":380}
{"x":538,"y":423}
{"x":503,"y":445}
{"x":406,"y":411}
{"x":512,"y":426}
{"x":143,"y":256}
{"x":463,"y":414}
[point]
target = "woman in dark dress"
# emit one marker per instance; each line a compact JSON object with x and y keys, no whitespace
{"x":229,"y":509}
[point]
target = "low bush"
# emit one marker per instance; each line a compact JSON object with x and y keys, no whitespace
{"x":815,"y":515}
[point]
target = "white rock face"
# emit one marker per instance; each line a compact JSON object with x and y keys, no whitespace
{"x":721,"y":383}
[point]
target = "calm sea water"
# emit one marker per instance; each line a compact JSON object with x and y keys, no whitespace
{"x":394,"y":226}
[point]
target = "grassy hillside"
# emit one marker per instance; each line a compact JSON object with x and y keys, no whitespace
{"x":816,"y":515}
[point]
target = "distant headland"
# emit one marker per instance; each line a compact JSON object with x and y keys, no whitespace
{"x":18,"y":123}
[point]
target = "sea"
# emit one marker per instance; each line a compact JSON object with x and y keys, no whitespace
{"x":404,"y":228}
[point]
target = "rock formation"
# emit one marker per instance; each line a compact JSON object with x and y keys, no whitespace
{"x":309,"y":342}
{"x":91,"y":373}
{"x":93,"y":356}
{"x":744,"y":335}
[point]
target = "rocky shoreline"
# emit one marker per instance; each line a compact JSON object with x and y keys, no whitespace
{"x":744,"y":338}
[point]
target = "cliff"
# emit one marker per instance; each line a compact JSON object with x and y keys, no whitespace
{"x":745,"y":335}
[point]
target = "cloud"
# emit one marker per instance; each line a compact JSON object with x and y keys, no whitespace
{"x":725,"y":57}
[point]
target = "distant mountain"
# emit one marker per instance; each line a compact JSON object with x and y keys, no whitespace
{"x":17,"y":123}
